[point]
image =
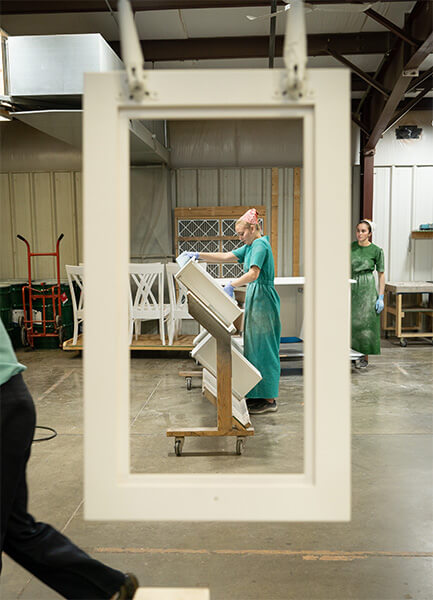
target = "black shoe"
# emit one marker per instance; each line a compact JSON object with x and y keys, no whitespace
{"x":128,"y":589}
{"x":252,"y":401}
{"x":263,"y":406}
{"x":362,"y":363}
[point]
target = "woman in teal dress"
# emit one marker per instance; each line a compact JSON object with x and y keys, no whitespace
{"x":366,"y":304}
{"x":262,"y":327}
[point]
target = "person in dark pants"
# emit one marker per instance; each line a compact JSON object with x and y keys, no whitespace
{"x":38,"y":547}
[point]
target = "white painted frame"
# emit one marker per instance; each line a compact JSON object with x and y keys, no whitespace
{"x":322,"y":492}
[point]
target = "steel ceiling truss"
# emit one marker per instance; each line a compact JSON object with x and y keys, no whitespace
{"x":70,"y":6}
{"x":397,"y":75}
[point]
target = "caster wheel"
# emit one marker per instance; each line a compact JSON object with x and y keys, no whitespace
{"x":178,"y":445}
{"x":188,"y":382}
{"x":58,"y":321}
{"x":24,"y":337}
{"x":403,"y":342}
{"x":240,"y":445}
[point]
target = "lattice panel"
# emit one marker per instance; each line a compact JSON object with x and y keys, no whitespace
{"x":231,"y":270}
{"x":228,"y":226}
{"x":214,"y":270}
{"x":198,"y":228}
{"x":230,"y":245}
{"x":198,"y":246}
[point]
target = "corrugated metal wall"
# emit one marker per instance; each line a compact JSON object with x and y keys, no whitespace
{"x":242,"y":187}
{"x":403,"y":199}
{"x":39,"y":206}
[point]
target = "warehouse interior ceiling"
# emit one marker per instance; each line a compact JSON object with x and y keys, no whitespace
{"x":375,"y":39}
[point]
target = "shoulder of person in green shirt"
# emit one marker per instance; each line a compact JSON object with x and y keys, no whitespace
{"x":9,"y":365}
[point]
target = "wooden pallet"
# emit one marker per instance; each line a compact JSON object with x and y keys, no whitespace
{"x":144,"y":342}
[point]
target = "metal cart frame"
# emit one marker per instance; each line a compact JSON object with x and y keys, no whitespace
{"x":48,"y":294}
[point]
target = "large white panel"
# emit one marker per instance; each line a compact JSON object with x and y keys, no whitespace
{"x":381,"y":212}
{"x":422,"y":213}
{"x":400,"y":228}
{"x":6,"y":241}
{"x":44,"y":234}
{"x":21,"y":221}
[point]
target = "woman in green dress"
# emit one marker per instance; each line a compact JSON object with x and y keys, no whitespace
{"x":262,"y":327}
{"x":366,"y":303}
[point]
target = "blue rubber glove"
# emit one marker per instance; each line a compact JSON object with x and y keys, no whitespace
{"x":230,"y":290}
{"x":185,"y":257}
{"x":379,"y":304}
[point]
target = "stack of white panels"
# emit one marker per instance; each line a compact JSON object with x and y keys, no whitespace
{"x":239,"y":406}
{"x":244,"y":375}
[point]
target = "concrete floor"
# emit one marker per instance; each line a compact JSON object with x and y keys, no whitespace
{"x":384,"y":553}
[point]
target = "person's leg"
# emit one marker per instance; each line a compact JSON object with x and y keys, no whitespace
{"x":38,"y":547}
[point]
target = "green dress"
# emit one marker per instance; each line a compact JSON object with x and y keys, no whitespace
{"x":262,"y":327}
{"x":365,"y":320}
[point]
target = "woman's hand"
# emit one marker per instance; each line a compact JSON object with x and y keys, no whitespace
{"x":379,"y":304}
{"x":229,"y":289}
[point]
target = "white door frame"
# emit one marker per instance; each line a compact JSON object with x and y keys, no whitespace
{"x":322,"y":492}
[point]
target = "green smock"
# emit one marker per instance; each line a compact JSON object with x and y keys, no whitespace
{"x":365,"y":320}
{"x":9,"y":366}
{"x":262,"y":327}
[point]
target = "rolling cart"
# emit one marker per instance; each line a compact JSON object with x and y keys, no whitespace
{"x":49,"y":296}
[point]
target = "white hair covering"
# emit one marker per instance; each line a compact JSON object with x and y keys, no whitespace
{"x":371,"y":223}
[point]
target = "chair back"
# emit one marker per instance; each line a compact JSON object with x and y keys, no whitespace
{"x":143,"y":301}
{"x":178,"y":301}
{"x":76,"y":276}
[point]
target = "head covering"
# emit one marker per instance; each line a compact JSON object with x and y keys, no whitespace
{"x":372,"y":226}
{"x":251,"y":217}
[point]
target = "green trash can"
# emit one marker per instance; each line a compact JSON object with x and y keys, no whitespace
{"x":67,"y":315}
{"x":5,"y":304}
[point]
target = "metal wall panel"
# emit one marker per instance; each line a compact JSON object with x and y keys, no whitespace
{"x":402,"y":201}
{"x":44,"y":234}
{"x":230,"y":187}
{"x":66,"y":216}
{"x":207,"y":187}
{"x":21,"y":221}
{"x":381,"y":217}
{"x":401,"y":209}
{"x":422,"y":213}
{"x":6,"y":241}
{"x":242,"y":187}
{"x":78,"y":186}
{"x":38,"y":206}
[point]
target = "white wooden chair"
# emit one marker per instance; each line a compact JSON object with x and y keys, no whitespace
{"x":76,"y":275}
{"x":178,"y":303}
{"x":145,"y":305}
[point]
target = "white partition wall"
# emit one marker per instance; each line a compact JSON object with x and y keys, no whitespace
{"x":322,"y":492}
{"x":402,"y":201}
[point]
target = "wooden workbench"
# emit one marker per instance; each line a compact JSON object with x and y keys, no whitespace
{"x":399,"y":309}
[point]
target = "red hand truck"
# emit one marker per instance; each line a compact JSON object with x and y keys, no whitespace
{"x":50,"y":296}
